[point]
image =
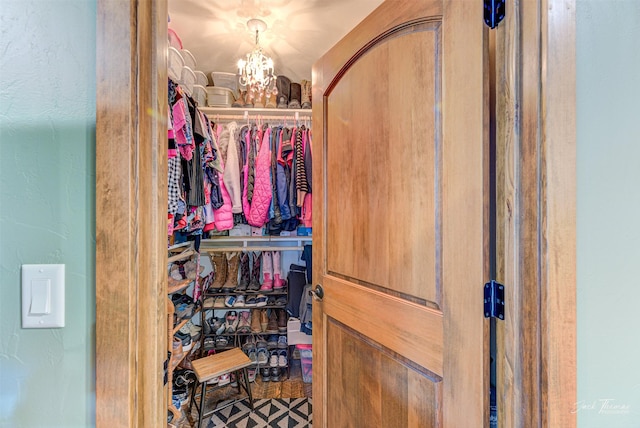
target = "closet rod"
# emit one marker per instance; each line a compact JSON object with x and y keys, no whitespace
{"x":226,"y":117}
{"x":256,"y":248}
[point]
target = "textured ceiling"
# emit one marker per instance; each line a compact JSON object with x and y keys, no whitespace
{"x":299,"y":31}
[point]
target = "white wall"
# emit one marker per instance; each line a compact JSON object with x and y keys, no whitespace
{"x":47,"y":214}
{"x":608,"y":153}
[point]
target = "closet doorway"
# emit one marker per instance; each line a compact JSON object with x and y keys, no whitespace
{"x":535,"y":214}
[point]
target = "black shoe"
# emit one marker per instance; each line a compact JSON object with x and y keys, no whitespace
{"x":275,"y":374}
{"x":265,"y":374}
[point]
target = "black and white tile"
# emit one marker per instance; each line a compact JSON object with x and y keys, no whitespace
{"x":271,"y":413}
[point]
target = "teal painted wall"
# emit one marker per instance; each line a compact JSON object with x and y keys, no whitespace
{"x":608,"y":213}
{"x":47,"y":214}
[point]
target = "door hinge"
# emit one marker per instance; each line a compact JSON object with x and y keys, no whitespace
{"x":494,"y":300}
{"x":494,"y":11}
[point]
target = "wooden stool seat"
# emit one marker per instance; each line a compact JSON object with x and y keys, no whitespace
{"x":207,"y":368}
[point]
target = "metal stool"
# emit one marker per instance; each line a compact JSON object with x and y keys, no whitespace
{"x":233,"y":360}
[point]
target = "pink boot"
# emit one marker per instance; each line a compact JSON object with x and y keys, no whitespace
{"x":267,"y":271}
{"x":278,"y":282}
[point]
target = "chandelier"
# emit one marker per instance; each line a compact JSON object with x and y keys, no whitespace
{"x":256,"y":71}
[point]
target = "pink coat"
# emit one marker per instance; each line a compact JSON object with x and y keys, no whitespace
{"x":259,"y":211}
{"x":223,"y":216}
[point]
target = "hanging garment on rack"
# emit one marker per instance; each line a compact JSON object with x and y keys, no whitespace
{"x":195,"y":195}
{"x":245,"y":136}
{"x":232,"y":169}
{"x":259,"y":211}
{"x":302,"y":186}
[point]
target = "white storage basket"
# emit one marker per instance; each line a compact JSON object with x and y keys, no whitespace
{"x":225,"y":80}
{"x":187,"y":80}
{"x":175,"y":62}
{"x":201,"y":78}
{"x":200,"y":95}
{"x":189,"y":59}
{"x":218,"y":96}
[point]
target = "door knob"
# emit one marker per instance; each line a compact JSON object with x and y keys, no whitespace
{"x":318,"y":292}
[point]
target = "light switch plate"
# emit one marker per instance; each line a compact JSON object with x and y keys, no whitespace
{"x":42,"y":296}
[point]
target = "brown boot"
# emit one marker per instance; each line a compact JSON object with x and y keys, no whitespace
{"x":255,"y":321}
{"x":271,"y":102}
{"x":264,"y":319}
{"x":231,"y":283}
{"x":295,"y":95}
{"x":219,"y":265}
{"x":272,"y":324}
{"x":306,"y":94}
{"x":240,"y":102}
{"x":282,"y":321}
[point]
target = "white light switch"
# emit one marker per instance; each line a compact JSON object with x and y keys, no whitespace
{"x":42,"y":296}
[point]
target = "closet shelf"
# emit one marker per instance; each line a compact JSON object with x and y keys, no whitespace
{"x":254,"y":243}
{"x":184,"y":321}
{"x":181,"y":251}
{"x":233,"y":113}
{"x":179,"y":286}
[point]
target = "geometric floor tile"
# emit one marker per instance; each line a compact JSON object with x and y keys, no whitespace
{"x":270,"y":413}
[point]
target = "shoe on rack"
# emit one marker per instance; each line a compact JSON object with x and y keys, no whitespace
{"x":262,"y":356}
{"x":265,"y":374}
{"x":275,"y":374}
{"x":295,"y":95}
{"x":272,"y":341}
{"x":215,"y":326}
{"x":273,"y":359}
{"x":282,"y":320}
{"x":251,"y":302}
{"x":261,"y":300}
{"x":282,"y":342}
{"x":219,"y":302}
{"x":233,"y":261}
{"x":208,"y":302}
{"x":283,"y":85}
{"x":221,"y":342}
{"x":264,"y":319}
{"x":231,"y":322}
{"x":224,"y":379}
{"x":219,"y":264}
{"x":271,"y":301}
{"x":230,"y":301}
{"x":244,"y":324}
{"x":255,"y":321}
{"x":306,"y":94}
{"x":280,"y":301}
{"x":282,"y":358}
{"x":267,"y":272}
{"x":239,"y":303}
{"x":254,"y":281}
{"x":245,"y":274}
{"x":272,"y":324}
{"x":186,"y":340}
{"x":278,"y":281}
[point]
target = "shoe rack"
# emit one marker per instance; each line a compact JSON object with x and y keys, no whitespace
{"x":233,"y":304}
{"x":178,"y":254}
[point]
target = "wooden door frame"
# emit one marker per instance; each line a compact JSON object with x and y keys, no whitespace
{"x":535,"y":162}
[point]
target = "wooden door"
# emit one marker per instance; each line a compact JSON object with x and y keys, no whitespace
{"x":400,"y":187}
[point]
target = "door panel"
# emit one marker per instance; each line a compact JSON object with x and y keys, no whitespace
{"x":393,"y":249}
{"x":399,"y":220}
{"x":402,"y":395}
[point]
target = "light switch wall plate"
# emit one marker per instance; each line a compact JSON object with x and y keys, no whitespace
{"x":43,"y":296}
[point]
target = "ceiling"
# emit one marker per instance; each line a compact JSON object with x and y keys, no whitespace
{"x":298,"y":31}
